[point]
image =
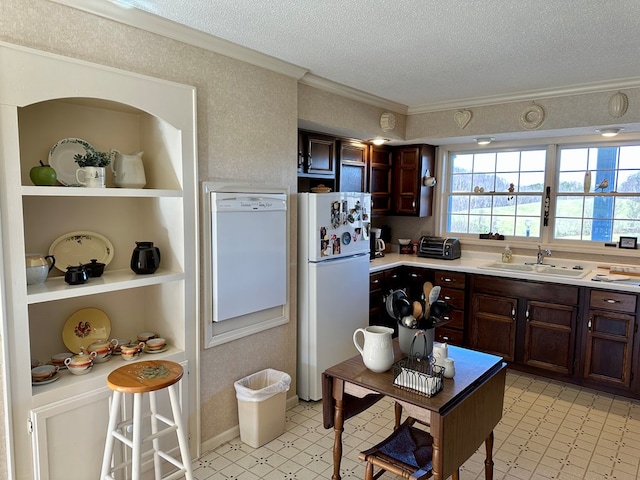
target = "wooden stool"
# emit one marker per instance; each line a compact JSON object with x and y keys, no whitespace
{"x":139,"y":378}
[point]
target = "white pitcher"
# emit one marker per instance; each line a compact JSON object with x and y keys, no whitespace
{"x":377,"y":353}
{"x":128,"y":170}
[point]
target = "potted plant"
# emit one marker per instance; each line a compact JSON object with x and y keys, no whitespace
{"x":92,"y":165}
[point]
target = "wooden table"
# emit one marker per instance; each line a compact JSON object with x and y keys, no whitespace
{"x":461,"y":416}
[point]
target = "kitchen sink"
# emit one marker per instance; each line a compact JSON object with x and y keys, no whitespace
{"x":540,"y":269}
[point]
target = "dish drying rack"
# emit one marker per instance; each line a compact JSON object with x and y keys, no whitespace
{"x":418,"y":373}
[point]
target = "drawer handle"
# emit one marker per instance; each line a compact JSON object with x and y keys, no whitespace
{"x":447,"y":279}
{"x":513,"y":314}
{"x":611,"y":300}
{"x":589,"y":323}
{"x":446,"y":297}
{"x":446,"y":318}
{"x":375,"y":281}
{"x":394,"y":276}
{"x":445,"y":338}
{"x":414,"y":275}
{"x":526,"y":314}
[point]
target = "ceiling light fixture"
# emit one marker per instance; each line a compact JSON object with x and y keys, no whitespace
{"x":379,"y":141}
{"x":609,"y":132}
{"x":484,"y":140}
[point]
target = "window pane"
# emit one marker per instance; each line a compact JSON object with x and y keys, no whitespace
{"x":458,"y":223}
{"x":569,"y":207}
{"x":573,"y":159}
{"x":459,"y":204}
{"x":484,"y":180}
{"x":629,"y":157}
{"x":533,"y":160}
{"x":568,"y":229}
{"x":529,"y":205}
{"x":532,"y":182}
{"x":461,"y":163}
{"x":629,"y":180}
{"x":479,"y":223}
{"x":484,"y":162}
{"x":571,"y":182}
{"x":462,"y":183}
{"x":508,"y":162}
{"x":503,"y":225}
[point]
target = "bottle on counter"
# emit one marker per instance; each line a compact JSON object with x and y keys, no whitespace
{"x":507,"y":255}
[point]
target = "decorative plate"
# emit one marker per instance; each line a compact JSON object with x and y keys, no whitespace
{"x":61,"y":158}
{"x":320,"y":189}
{"x":80,"y":247}
{"x":532,"y":117}
{"x":84,"y":327}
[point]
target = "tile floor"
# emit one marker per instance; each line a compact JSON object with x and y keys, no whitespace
{"x":549,"y":430}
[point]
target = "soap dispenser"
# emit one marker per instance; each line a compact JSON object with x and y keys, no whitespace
{"x":506,"y":255}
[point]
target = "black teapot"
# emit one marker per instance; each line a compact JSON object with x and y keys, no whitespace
{"x":145,"y":258}
{"x":76,"y":275}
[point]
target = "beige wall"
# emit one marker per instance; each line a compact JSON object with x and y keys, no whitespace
{"x":247,"y":132}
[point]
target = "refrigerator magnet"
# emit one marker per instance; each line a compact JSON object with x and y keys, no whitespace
{"x":346,"y":238}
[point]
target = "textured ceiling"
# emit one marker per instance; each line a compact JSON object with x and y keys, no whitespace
{"x":422,"y":53}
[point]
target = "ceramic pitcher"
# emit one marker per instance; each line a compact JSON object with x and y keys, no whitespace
{"x":128,"y":170}
{"x":377,"y":352}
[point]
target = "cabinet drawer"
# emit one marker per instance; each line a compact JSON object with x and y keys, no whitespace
{"x":450,"y":279}
{"x":457,"y":320}
{"x":375,"y":280}
{"x":453,"y":297}
{"x":447,"y":335}
{"x":616,"y":301}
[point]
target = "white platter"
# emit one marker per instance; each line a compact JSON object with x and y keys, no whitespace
{"x":80,"y":247}
{"x":61,"y":158}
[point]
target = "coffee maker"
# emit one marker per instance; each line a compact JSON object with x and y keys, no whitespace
{"x":377,"y":244}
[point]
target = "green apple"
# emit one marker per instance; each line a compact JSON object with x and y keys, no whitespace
{"x":43,"y":175}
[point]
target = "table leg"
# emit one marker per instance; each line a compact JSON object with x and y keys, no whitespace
{"x":338,"y":428}
{"x":488,"y":462}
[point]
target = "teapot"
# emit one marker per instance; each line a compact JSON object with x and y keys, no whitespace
{"x":377,"y":352}
{"x":81,"y":363}
{"x":103,"y":349}
{"x":38,"y":267}
{"x":76,"y":275}
{"x":128,"y":170}
{"x":145,"y":258}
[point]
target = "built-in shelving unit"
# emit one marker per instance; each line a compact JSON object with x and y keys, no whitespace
{"x":45,"y":98}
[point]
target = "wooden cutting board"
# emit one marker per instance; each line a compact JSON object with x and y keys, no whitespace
{"x":631,"y":271}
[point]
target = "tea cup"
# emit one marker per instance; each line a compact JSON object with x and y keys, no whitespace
{"x":59,"y":358}
{"x":156,"y":343}
{"x":131,"y":350}
{"x":144,"y":336}
{"x":43,"y":372}
{"x":103,"y":349}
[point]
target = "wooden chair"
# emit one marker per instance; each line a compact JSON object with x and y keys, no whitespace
{"x":407,"y":452}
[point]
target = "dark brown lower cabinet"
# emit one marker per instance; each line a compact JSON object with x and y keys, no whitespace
{"x":527,"y":323}
{"x":609,"y":347}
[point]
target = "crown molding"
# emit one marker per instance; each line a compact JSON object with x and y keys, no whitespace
{"x":116,"y":11}
{"x":579,"y":89}
{"x":352,"y":93}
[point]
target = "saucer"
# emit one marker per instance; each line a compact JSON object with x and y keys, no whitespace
{"x":160,"y":350}
{"x":51,"y":379}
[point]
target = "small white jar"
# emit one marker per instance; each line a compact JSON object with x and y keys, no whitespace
{"x":449,"y":368}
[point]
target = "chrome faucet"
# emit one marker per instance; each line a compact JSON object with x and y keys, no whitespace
{"x":541,"y":254}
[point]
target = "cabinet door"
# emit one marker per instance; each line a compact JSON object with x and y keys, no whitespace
{"x":609,"y":348}
{"x":493,"y":325}
{"x":549,"y":336}
{"x":377,"y":314}
{"x":321,"y":155}
{"x":380,"y":179}
{"x":410,"y":196}
{"x":415,"y":278}
{"x":353,"y":167}
{"x":69,"y":437}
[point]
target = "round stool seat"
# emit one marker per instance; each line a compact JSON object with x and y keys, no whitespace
{"x":145,"y":376}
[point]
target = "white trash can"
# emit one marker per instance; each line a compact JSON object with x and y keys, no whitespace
{"x":262,"y":405}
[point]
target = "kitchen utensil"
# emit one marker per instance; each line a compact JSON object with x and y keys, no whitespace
{"x":409,"y":321}
{"x":439,"y":308}
{"x":128,"y":170}
{"x":426,"y":290}
{"x":417,"y":310}
{"x":38,"y":267}
{"x":434,"y":294}
{"x":377,"y":348}
{"x":392,"y":303}
{"x":77,"y":248}
{"x":145,"y":258}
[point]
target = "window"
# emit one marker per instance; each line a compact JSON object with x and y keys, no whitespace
{"x":582,"y":193}
{"x":496,"y":192}
{"x":598,"y":193}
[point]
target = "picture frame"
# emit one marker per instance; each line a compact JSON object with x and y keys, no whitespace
{"x":630,"y":243}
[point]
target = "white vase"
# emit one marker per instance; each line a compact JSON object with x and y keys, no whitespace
{"x":91,"y":177}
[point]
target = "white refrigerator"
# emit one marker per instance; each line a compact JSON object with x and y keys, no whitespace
{"x":333,"y":282}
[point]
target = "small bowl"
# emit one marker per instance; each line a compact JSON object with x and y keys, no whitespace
{"x":95,"y":268}
{"x":144,"y":336}
{"x":404,"y":241}
{"x":59,"y":358}
{"x":156,"y":343}
{"x":43,"y":372}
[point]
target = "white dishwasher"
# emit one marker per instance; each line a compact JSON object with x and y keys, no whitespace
{"x":249,"y":248}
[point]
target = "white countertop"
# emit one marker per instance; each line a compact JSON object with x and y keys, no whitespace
{"x":475,"y":262}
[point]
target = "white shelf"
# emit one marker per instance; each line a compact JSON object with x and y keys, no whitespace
{"x":111,"y":281}
{"x":34,"y":191}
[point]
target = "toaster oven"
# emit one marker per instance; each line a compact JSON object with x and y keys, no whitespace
{"x":438,"y":247}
